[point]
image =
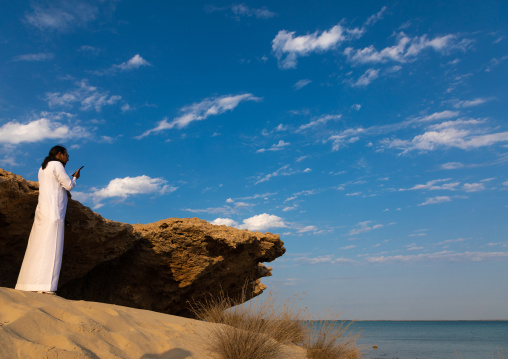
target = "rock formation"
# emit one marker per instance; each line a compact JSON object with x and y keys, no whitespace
{"x":159,"y":266}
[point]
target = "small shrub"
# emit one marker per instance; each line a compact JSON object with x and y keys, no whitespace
{"x":234,"y":343}
{"x":333,"y":340}
{"x":258,"y":329}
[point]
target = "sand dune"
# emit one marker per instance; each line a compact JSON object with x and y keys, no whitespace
{"x":36,"y":325}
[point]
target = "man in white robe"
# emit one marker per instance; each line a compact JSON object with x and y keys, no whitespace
{"x":43,"y":257}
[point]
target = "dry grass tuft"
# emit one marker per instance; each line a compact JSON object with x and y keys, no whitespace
{"x":259,"y":329}
{"x":333,"y":340}
{"x":234,"y":343}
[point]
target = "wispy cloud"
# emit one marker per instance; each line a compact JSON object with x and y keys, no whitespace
{"x":470,"y":103}
{"x":288,"y":48}
{"x":436,"y":185}
{"x":201,"y":111}
{"x":450,"y":241}
{"x":436,"y":200}
{"x":463,"y":134}
{"x":447,"y":256}
{"x":134,"y":63}
{"x":276,"y":147}
{"x":283,"y":171}
{"x":319,"y":121}
{"x":363,"y":227}
{"x":60,"y":15}
{"x":43,"y":56}
{"x":406,"y":49}
{"x":301,"y":84}
{"x":242,"y":10}
{"x":473,"y":187}
{"x":369,"y":76}
{"x":451,"y":165}
{"x":376,"y":17}
{"x":351,"y":135}
{"x":328,"y":259}
{"x":122,"y":188}
{"x":87,"y":96}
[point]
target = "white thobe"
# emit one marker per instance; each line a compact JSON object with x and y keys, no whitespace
{"x":43,"y":257}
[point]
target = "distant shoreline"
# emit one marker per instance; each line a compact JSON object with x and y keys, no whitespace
{"x":422,"y":320}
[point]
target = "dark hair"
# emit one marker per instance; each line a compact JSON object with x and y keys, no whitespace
{"x":52,"y":155}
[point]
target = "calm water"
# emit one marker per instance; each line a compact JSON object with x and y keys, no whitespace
{"x":434,"y":339}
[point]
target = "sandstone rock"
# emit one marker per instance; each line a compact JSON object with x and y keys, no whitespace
{"x":159,"y":266}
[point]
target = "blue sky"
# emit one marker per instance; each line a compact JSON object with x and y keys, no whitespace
{"x":371,"y":136}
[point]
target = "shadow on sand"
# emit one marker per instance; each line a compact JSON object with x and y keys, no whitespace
{"x":176,"y":353}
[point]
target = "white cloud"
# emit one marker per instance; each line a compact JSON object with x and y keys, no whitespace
{"x":134,"y":63}
{"x":369,"y":76}
{"x":290,"y":208}
{"x":201,"y":111}
{"x":320,"y":121}
{"x":451,"y":165}
{"x":126,"y":187}
{"x":362,"y":227}
{"x":261,"y":222}
{"x":279,"y":128}
{"x":357,"y":107}
{"x":440,"y":256}
{"x":276,"y":147}
{"x":301,"y":83}
{"x":354,"y":194}
{"x":463,"y":134}
{"x":34,"y":57}
{"x":436,"y":200}
{"x":88,"y":96}
{"x":505,"y":183}
{"x":473,"y":187}
{"x":39,"y":130}
{"x":224,"y":221}
{"x":470,"y":103}
{"x":406,"y":49}
{"x":61,"y":15}
{"x":287,"y":48}
{"x":433,"y":185}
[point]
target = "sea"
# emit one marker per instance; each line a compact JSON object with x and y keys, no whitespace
{"x":433,"y":339}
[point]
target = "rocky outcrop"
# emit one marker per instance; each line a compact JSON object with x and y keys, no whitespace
{"x":159,"y":266}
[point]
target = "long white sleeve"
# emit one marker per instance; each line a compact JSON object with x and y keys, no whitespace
{"x":62,"y":176}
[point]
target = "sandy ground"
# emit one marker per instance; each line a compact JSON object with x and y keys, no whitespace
{"x":36,"y":325}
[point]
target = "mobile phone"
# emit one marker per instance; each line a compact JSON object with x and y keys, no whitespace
{"x":78,"y":170}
